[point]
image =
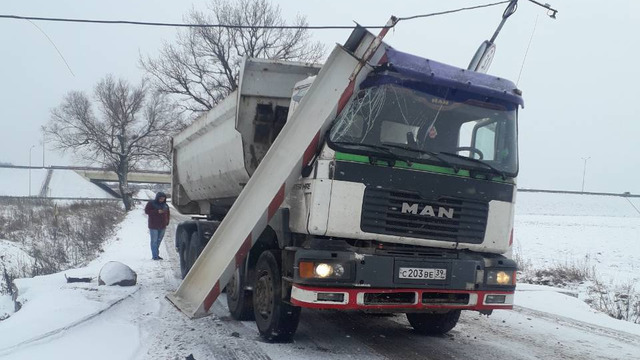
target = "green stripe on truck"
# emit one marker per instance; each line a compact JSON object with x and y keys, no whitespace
{"x":414,"y":166}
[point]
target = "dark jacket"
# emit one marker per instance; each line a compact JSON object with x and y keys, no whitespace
{"x":157,"y":220}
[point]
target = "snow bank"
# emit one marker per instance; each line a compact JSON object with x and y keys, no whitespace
{"x":103,"y":338}
{"x":67,"y":183}
{"x":548,"y":300}
{"x":17,"y":263}
{"x":50,"y":306}
{"x":15,"y":182}
{"x":13,"y":258}
{"x":117,"y":273}
{"x":6,"y":307}
{"x":63,"y":183}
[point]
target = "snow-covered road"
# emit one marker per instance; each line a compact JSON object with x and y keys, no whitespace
{"x":143,"y":325}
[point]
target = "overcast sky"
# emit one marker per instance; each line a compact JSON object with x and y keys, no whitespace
{"x":579,"y":79}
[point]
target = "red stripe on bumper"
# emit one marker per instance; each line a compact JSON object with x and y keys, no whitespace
{"x":353,"y":304}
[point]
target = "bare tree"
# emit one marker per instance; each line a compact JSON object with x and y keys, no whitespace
{"x":132,"y":128}
{"x":202,"y":67}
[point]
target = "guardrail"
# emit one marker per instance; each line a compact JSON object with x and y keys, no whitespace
{"x":579,"y":192}
{"x":86,"y":168}
{"x":69,"y":198}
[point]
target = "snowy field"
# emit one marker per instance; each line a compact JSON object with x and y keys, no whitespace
{"x":602,"y":232}
{"x":63,"y":183}
{"x":81,"y":321}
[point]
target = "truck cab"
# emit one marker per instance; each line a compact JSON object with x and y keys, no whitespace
{"x":410,"y":203}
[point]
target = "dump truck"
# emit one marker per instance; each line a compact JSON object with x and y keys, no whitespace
{"x":404,"y":203}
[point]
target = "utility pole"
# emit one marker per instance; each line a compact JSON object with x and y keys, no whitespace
{"x":43,"y":142}
{"x":31,"y":148}
{"x":584,"y":170}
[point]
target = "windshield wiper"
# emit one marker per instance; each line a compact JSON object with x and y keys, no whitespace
{"x":430,"y":153}
{"x":477,"y":161}
{"x":384,"y":149}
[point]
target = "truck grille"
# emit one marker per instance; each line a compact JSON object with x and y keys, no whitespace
{"x":382,"y":213}
{"x":406,"y":298}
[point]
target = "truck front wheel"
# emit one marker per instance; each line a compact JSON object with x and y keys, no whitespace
{"x":276,"y":320}
{"x":239,"y":299}
{"x":434,"y":324}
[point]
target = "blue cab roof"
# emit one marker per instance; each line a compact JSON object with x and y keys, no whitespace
{"x":436,"y":73}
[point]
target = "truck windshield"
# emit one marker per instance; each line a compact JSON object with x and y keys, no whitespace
{"x":426,"y":127}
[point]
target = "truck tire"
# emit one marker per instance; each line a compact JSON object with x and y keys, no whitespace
{"x":195,"y":248}
{"x":434,"y":324}
{"x":239,"y":300}
{"x":276,"y":320}
{"x":182,"y":243}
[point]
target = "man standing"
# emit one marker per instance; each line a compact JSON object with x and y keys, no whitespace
{"x":158,"y":212}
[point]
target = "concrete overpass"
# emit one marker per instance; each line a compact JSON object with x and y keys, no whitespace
{"x":96,"y":174}
{"x":134,"y":176}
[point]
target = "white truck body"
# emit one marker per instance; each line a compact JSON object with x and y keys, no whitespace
{"x":215,"y":156}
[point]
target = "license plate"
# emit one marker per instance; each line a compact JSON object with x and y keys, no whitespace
{"x":422,"y":273}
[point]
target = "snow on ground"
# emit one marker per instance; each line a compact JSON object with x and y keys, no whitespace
{"x":67,"y":183}
{"x":15,"y":182}
{"x":79,"y":321}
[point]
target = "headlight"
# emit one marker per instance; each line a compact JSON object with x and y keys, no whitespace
{"x":321,"y":270}
{"x":501,"y":277}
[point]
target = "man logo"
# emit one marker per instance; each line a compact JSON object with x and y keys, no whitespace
{"x":427,"y":210}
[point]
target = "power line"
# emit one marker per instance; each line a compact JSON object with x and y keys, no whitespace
{"x":230,"y":26}
{"x":453,"y":11}
{"x":55,"y":47}
{"x":527,"y":51}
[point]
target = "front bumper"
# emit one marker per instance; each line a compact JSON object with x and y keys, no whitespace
{"x":398,"y":300}
{"x":372,"y":281}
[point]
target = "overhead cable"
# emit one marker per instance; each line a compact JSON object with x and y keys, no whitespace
{"x":231,"y":26}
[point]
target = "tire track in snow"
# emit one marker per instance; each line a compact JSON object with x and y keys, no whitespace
{"x":169,"y":334}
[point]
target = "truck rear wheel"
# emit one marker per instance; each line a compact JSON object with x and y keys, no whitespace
{"x":276,"y":320}
{"x":239,"y":300}
{"x":434,"y":324}
{"x":194,"y":250}
{"x":182,"y":243}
